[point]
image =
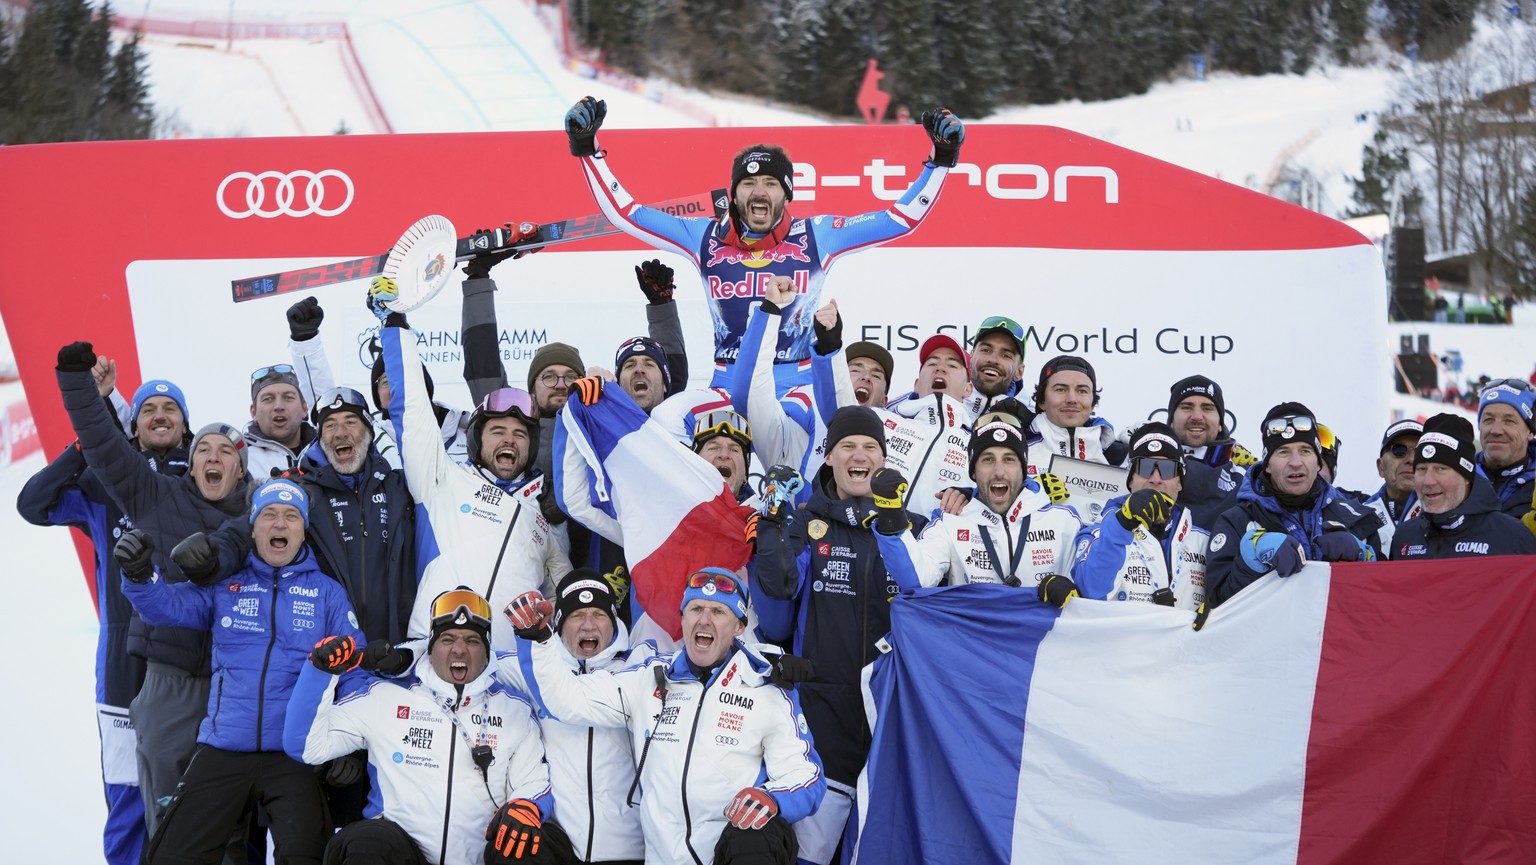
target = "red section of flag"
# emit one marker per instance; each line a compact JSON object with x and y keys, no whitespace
{"x":1423,"y":745}
{"x":710,"y":535}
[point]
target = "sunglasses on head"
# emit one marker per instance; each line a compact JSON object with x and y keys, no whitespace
{"x":505,"y":399}
{"x":1162,"y":466}
{"x":1297,"y":422}
{"x":1518,"y":384}
{"x":700,"y":579}
{"x":274,"y":369}
{"x":1003,"y":322}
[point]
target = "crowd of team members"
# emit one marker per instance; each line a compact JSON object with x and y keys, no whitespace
{"x":434,"y":609}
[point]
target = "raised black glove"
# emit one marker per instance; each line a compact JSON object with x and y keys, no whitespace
{"x":304,"y":319}
{"x":655,"y":281}
{"x":947,"y":134}
{"x":828,"y":339}
{"x":336,"y":654}
{"x":345,"y":771}
{"x":889,"y":490}
{"x":132,"y":552}
{"x":1146,"y":507}
{"x":382,"y":657}
{"x":197,"y":558}
{"x":1163,"y":597}
{"x":550,"y":508}
{"x":1056,"y":590}
{"x":76,"y":357}
{"x":582,"y":123}
{"x":479,"y":266}
{"x":790,"y":670}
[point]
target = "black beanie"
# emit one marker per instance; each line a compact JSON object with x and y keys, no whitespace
{"x":1448,"y":440}
{"x":855,"y":420}
{"x":1197,"y":385}
{"x":1289,"y":435}
{"x":583,"y":588}
{"x":996,"y":430}
{"x":761,"y":160}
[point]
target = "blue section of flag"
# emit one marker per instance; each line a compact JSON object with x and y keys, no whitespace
{"x":951,"y":697}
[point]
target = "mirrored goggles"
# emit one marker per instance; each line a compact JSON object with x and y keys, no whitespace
{"x":506,"y":399}
{"x":1002,"y":322}
{"x":448,"y":606}
{"x":1161,"y":466}
{"x":700,"y":579}
{"x":1297,"y":422}
{"x":722,"y":422}
{"x":336,"y":399}
{"x":274,"y":369}
{"x":1326,"y":439}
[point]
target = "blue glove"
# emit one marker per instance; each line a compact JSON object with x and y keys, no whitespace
{"x":1343,"y":547}
{"x":947,"y":133}
{"x":1264,"y":550}
{"x":582,"y":123}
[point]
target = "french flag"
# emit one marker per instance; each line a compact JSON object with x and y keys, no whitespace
{"x":1359,"y":714}
{"x":627,"y":478}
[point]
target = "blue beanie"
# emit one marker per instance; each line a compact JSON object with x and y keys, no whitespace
{"x":644,"y":345}
{"x":158,"y":387}
{"x":1521,"y":400}
{"x":279,"y":491}
{"x":736,"y":600}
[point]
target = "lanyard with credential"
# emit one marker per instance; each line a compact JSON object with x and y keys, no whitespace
{"x":1018,"y":552}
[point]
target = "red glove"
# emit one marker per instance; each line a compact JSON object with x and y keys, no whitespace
{"x":515,"y":831}
{"x":335,"y":654}
{"x":752,"y":808}
{"x":529,"y":614}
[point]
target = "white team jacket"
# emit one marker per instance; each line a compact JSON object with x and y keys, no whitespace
{"x":1032,"y":538}
{"x":418,"y":734}
{"x":708,"y":741}
{"x":1114,"y":564}
{"x":476,"y":533}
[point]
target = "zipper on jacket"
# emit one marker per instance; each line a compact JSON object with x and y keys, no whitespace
{"x":938,"y":406}
{"x":591,"y":797}
{"x":687,"y":759}
{"x":261,"y":688}
{"x":442,"y":855}
{"x":496,"y":568}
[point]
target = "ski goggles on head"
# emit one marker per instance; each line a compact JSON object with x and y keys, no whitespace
{"x":1162,"y":466}
{"x":1001,"y":322}
{"x":336,"y":399}
{"x":993,"y":417}
{"x":504,"y":400}
{"x":1519,"y":384}
{"x":447,"y":607}
{"x":723,"y":583}
{"x":1326,"y":439}
{"x":1297,"y":422}
{"x":723,"y":422}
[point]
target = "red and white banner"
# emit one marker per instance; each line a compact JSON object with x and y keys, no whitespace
{"x":1150,"y":271}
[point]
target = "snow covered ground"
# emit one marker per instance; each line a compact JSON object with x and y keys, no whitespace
{"x":469,"y":65}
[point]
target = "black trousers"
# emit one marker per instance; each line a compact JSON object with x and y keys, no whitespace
{"x":220,"y":786}
{"x":373,"y":842}
{"x":773,"y":844}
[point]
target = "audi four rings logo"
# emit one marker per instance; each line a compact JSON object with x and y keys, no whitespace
{"x":274,"y":193}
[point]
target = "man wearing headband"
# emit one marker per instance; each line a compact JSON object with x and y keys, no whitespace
{"x":455,"y":754}
{"x":590,"y":768}
{"x":1008,"y":533}
{"x":1461,"y":516}
{"x":1286,"y":513}
{"x":483,"y":520}
{"x":758,"y":239}
{"x":724,"y":756}
{"x":1148,"y":547}
{"x":264,"y":622}
{"x":1506,"y":417}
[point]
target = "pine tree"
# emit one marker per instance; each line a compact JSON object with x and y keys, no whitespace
{"x":1380,"y":166}
{"x":62,"y":81}
{"x":970,"y":58}
{"x":909,"y":54}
